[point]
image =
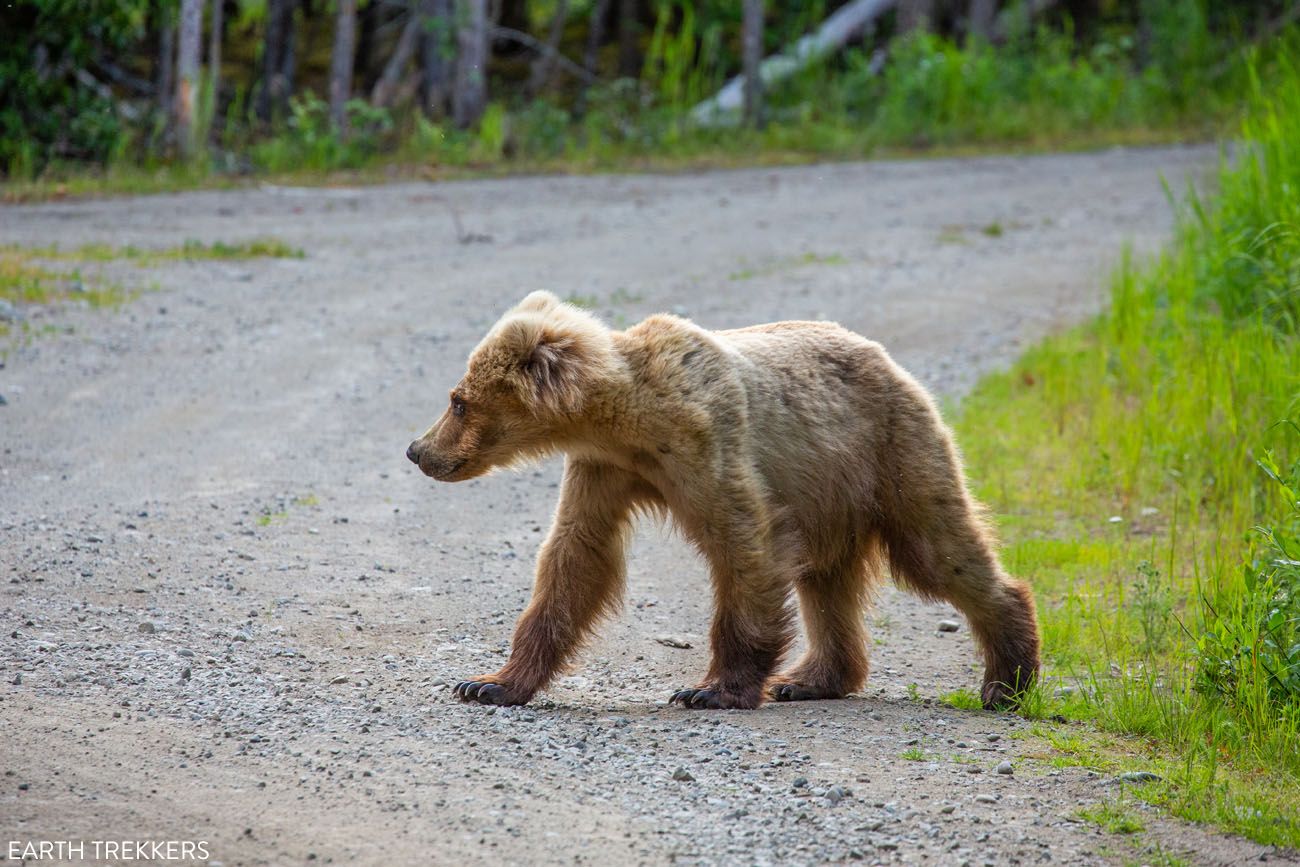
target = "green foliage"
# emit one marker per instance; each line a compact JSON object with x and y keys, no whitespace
{"x":1175,"y":621}
{"x":933,"y":91}
{"x":962,"y":699}
{"x":1251,"y":644}
{"x":541,"y":130}
{"x":41,"y":276}
{"x":310,"y":141}
{"x":493,"y":129}
{"x":1180,"y":73}
{"x":49,"y":108}
{"x":190,"y":249}
{"x":683,"y":62}
{"x":1113,"y":817}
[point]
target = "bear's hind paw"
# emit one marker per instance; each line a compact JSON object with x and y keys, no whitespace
{"x":999,"y":696}
{"x":787,"y":690}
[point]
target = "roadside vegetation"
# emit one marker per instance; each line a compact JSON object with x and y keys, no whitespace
{"x":34,"y":278}
{"x":1159,"y":70}
{"x":1147,"y":466}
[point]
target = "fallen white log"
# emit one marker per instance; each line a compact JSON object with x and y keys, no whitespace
{"x":846,"y":23}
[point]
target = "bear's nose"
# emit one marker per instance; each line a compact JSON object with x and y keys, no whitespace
{"x":412,"y":454}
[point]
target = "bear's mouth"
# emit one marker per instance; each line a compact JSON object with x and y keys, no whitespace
{"x":444,"y":472}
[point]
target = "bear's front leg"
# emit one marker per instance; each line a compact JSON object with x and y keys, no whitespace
{"x":752,"y":618}
{"x":580,"y":574}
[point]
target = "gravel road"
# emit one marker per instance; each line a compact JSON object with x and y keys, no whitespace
{"x":231,"y":608}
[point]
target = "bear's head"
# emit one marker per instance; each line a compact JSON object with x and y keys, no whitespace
{"x":525,"y":390}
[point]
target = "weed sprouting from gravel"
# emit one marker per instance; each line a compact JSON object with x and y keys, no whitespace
{"x":962,"y":699}
{"x":1113,"y":817}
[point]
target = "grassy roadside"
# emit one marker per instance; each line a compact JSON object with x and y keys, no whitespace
{"x":743,"y":150}
{"x":1148,"y":468}
{"x":47,"y":276}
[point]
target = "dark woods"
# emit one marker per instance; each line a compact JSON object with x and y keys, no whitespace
{"x":103,"y":81}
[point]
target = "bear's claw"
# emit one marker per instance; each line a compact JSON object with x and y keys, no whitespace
{"x":709,"y":698}
{"x":483,"y":692}
{"x":697,"y":698}
{"x":790,"y":692}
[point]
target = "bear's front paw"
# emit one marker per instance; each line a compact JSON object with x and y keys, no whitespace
{"x":715,"y":698}
{"x":486,"y":690}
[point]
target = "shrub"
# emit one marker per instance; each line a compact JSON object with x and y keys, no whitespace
{"x":1252,"y":639}
{"x":50,"y":107}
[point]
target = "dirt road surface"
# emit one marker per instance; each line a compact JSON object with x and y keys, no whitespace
{"x":232,"y":609}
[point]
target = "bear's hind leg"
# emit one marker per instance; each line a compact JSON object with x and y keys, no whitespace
{"x":948,"y":554}
{"x":835,"y":664}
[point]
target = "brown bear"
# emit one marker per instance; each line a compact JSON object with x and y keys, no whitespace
{"x":796,"y":456}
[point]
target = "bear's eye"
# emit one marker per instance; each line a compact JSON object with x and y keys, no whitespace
{"x":457,"y":406}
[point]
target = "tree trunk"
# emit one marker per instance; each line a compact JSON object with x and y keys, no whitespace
{"x":596,"y":35}
{"x":591,"y":59}
{"x":629,"y":29}
{"x":752,"y":56}
{"x":846,"y":23}
{"x":277,"y":61}
{"x":345,"y":46}
{"x":187,"y":74}
{"x":289,"y":59}
{"x":166,"y":65}
{"x":214,"y":58}
{"x":469,"y":97}
{"x":979,"y":20}
{"x":915,"y":15}
{"x":545,"y":62}
{"x":437,"y":55}
{"x":364,"y":62}
{"x":386,"y":86}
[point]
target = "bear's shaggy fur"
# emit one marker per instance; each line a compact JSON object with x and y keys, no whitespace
{"x":797,"y":456}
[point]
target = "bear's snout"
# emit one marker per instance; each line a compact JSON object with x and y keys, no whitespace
{"x":431,"y":463}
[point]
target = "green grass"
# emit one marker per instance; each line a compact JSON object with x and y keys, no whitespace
{"x":962,"y":699}
{"x":25,"y":281}
{"x":1155,"y":855}
{"x":789,"y":263}
{"x":190,"y":249}
{"x":1113,"y":817}
{"x":913,"y":754}
{"x":52,"y":275}
{"x":1149,"y":495}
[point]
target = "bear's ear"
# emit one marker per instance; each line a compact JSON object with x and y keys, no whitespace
{"x":537,"y":302}
{"x":553,"y":370}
